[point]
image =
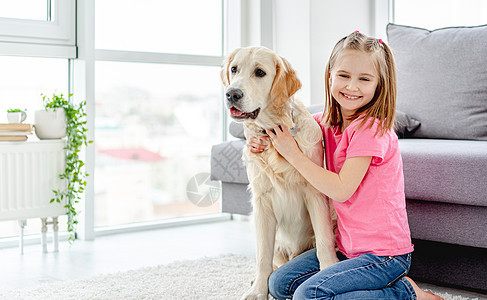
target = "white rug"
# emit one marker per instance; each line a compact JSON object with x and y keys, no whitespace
{"x":224,"y":277}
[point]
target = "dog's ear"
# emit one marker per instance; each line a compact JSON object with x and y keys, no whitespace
{"x":285,"y":84}
{"x":224,"y":71}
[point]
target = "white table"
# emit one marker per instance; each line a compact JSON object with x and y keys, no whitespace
{"x":29,"y":172}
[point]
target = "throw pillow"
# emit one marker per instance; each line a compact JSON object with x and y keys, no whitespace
{"x":404,"y":125}
{"x":236,"y":130}
{"x":442,"y":79}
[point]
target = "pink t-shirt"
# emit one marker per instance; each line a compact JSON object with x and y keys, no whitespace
{"x":374,"y":219}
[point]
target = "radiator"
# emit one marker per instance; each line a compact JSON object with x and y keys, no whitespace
{"x":29,"y":172}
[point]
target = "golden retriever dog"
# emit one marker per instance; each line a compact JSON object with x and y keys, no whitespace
{"x":290,"y":216}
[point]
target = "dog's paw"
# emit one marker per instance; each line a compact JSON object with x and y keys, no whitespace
{"x":253,"y":294}
{"x":326,"y":259}
{"x":326,"y":264}
{"x":255,"y":297}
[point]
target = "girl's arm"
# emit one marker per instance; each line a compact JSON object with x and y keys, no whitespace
{"x":340,"y":187}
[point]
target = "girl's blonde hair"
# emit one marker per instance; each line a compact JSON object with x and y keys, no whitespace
{"x":383,"y":104}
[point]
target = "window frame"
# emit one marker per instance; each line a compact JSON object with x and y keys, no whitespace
{"x":72,"y":37}
{"x":42,"y":39}
{"x":56,"y":38}
{"x":231,"y":38}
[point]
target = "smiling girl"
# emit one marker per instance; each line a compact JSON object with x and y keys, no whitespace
{"x":364,"y":179}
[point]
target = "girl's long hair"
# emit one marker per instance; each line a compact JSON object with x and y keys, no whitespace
{"x":383,"y":104}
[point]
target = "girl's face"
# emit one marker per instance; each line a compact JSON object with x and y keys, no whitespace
{"x":353,"y":81}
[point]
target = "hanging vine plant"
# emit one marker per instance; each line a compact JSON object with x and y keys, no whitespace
{"x":74,"y":173}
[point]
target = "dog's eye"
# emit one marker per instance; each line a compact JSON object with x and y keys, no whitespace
{"x":233,"y":69}
{"x":259,"y":73}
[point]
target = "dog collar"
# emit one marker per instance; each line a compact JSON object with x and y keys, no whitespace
{"x":293,"y":130}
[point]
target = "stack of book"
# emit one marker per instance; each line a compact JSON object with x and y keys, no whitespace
{"x":15,"y":131}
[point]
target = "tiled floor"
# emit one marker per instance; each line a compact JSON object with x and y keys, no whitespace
{"x":127,"y":251}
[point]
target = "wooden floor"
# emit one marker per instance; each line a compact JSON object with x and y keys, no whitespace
{"x":108,"y":254}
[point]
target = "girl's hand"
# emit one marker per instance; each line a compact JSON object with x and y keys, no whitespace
{"x":258,"y":143}
{"x":283,"y":141}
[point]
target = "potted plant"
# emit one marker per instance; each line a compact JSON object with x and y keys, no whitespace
{"x":50,"y":122}
{"x":75,"y":132}
{"x":16,"y":115}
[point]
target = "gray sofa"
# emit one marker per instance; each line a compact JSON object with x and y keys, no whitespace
{"x":442,"y":99}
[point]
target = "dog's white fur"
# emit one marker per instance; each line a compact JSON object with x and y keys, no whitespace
{"x":288,"y":212}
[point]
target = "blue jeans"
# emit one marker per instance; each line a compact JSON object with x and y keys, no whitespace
{"x":365,"y":277}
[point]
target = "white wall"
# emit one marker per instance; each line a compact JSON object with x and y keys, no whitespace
{"x":292,"y":39}
{"x":305,"y":31}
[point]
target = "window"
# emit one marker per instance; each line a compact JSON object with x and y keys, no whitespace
{"x":167,"y":26}
{"x":150,"y":71}
{"x":22,"y":80}
{"x":38,"y":28}
{"x":158,"y":100}
{"x":26,"y":9}
{"x":155,"y":125}
{"x":37,"y":39}
{"x":435,"y":14}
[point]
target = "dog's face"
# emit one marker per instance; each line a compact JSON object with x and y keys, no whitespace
{"x":256,"y":80}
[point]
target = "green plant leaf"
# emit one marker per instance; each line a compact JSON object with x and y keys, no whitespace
{"x":76,"y":128}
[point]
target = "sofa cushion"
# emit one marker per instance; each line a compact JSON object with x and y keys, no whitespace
{"x":450,"y":171}
{"x":448,"y":223}
{"x":442,"y":80}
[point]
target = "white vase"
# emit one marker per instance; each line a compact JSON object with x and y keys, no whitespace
{"x":50,"y":123}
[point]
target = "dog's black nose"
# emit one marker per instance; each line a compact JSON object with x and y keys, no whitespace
{"x":234,"y":95}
